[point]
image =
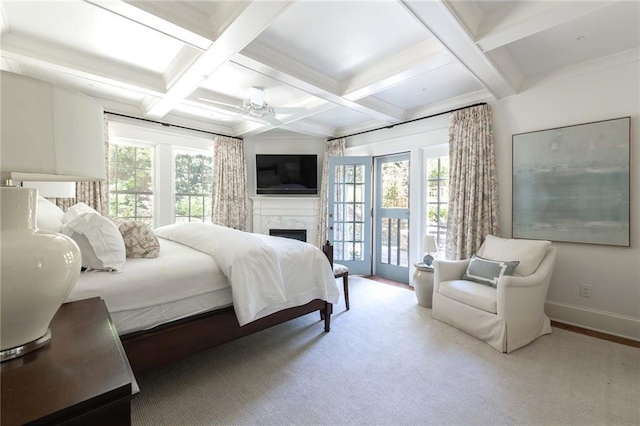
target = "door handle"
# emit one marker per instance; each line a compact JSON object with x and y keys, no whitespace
{"x":331,"y":227}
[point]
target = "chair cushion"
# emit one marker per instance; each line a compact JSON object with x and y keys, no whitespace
{"x":488,"y":272}
{"x":473,"y":294}
{"x":339,"y":269}
{"x":528,"y":252}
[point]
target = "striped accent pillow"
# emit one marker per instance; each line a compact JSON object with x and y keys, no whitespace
{"x":488,"y":272}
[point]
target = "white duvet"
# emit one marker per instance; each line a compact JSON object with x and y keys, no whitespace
{"x":266,"y":274}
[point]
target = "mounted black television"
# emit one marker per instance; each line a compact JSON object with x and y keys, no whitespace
{"x":286,"y":174}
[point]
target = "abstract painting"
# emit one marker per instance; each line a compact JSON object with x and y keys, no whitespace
{"x":572,"y":183}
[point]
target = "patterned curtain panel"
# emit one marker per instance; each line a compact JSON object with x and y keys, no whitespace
{"x":230,"y":183}
{"x":94,"y":194}
{"x":334,"y":148}
{"x":473,"y":186}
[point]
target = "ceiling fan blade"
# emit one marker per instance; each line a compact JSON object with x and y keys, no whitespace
{"x":272,"y":120}
{"x":285,"y":110}
{"x":221,"y":103}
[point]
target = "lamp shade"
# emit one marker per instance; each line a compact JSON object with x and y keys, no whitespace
{"x":49,"y":133}
{"x":429,"y":244}
{"x":53,"y":189}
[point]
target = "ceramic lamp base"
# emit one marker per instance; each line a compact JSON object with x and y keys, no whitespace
{"x":428,"y":260}
{"x":21,"y":350}
{"x":38,"y":270}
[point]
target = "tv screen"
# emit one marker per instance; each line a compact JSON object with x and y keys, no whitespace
{"x":286,"y":174}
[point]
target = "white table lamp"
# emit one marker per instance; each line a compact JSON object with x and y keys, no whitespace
{"x":47,"y":134}
{"x":429,"y":246}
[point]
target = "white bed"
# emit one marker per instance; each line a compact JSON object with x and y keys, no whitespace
{"x":151,"y":292}
{"x":201,"y":268}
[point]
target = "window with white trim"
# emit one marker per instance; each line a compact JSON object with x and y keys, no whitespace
{"x":438,"y":199}
{"x":131,"y":182}
{"x":193,"y":185}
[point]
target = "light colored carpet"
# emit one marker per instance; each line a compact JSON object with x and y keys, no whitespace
{"x":386,"y":361}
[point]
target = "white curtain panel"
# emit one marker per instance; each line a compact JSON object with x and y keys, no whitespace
{"x":473,"y":185}
{"x":230,"y":183}
{"x":334,"y":148}
{"x":94,"y":194}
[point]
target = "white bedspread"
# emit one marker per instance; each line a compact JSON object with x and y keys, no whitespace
{"x":266,"y":274}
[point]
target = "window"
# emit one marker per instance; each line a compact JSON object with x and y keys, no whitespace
{"x":438,"y":199}
{"x":131,"y":182}
{"x":194,"y":186}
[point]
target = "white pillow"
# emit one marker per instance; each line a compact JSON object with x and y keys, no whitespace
{"x":48,"y":215}
{"x":100,"y":241}
{"x":76,"y":210}
{"x":528,"y":252}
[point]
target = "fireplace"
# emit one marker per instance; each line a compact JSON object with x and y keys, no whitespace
{"x":294,"y":234}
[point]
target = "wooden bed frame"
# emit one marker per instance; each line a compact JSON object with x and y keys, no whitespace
{"x":178,"y":339}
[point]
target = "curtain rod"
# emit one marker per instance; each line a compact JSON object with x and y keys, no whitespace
{"x":391,"y":126}
{"x":170,"y":125}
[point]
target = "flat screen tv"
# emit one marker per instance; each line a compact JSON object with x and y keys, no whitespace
{"x":286,"y":174}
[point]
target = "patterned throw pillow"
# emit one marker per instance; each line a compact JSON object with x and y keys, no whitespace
{"x":488,"y":272}
{"x":139,"y":239}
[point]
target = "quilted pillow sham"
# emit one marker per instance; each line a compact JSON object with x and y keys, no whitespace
{"x":488,"y":272}
{"x":139,"y":239}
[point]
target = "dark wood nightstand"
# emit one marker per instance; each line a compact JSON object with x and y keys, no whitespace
{"x":82,"y":377}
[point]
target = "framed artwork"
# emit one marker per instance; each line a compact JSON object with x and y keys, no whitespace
{"x":572,"y":183}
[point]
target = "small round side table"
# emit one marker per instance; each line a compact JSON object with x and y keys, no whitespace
{"x":423,"y":282}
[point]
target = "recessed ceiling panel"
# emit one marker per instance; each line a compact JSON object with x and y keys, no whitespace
{"x":339,"y":117}
{"x":91,"y":88}
{"x":89,"y":29}
{"x":442,"y":83}
{"x":612,"y":29}
{"x":235,"y":81}
{"x":342,"y":38}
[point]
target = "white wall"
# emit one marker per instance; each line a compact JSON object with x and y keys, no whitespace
{"x":598,"y":91}
{"x":280,"y":143}
{"x":595,"y":91}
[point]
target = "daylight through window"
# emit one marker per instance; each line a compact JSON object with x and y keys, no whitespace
{"x":194,"y":186}
{"x":438,"y":199}
{"x":131,"y":182}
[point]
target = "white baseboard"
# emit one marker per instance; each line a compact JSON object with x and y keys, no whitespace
{"x":593,"y":319}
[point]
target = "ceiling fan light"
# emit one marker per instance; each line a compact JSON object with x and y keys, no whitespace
{"x":256,"y":95}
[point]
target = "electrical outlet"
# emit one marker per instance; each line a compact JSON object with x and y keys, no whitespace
{"x":585,"y":290}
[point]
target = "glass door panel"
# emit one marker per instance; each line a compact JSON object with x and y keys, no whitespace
{"x":392,"y":217}
{"x":349,"y":219}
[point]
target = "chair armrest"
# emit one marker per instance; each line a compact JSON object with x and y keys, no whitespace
{"x":539,"y":277}
{"x":447,"y":270}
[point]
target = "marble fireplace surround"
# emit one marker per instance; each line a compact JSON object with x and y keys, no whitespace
{"x":286,"y":213}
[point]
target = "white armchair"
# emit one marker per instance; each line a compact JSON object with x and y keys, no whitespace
{"x":508,"y":316}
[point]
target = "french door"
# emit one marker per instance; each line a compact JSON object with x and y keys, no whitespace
{"x":392,"y":217}
{"x":349,"y":208}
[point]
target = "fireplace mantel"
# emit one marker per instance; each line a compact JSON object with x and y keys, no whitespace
{"x":286,"y":213}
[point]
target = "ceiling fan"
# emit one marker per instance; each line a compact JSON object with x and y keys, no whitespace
{"x":255,"y":106}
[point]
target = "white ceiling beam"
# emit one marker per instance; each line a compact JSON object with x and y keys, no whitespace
{"x":152,"y":16}
{"x":417,"y":60}
{"x":251,"y":22}
{"x":33,"y":52}
{"x":288,"y":121}
{"x":279,"y":67}
{"x":534,"y":21}
{"x":439,"y":18}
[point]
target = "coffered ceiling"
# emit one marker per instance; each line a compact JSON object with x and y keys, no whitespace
{"x":341,"y":66}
